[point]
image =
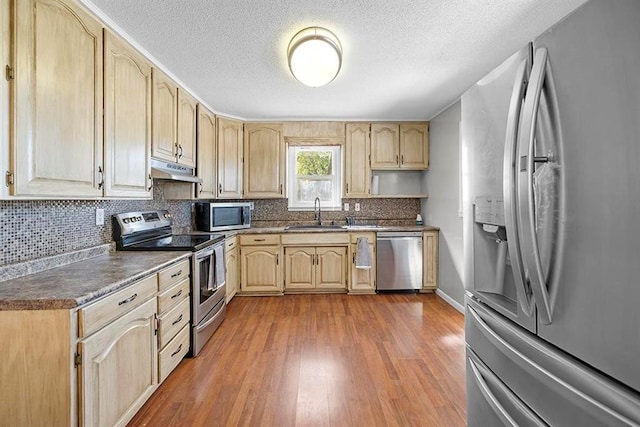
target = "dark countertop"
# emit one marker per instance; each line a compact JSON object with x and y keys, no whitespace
{"x":76,"y":284}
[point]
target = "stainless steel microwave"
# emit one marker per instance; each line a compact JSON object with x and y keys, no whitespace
{"x":222,"y":216}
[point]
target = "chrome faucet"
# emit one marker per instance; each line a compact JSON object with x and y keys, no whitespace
{"x":316,"y":208}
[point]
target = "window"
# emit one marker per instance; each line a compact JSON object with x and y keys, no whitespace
{"x":314,"y":172}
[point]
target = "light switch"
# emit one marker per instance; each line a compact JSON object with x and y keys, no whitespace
{"x":99,"y":216}
{"x":346,"y":207}
{"x":357,"y":207}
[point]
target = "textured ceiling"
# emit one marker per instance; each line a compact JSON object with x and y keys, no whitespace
{"x":403,"y":60}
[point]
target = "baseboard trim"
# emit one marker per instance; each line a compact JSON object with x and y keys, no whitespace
{"x":455,"y":304}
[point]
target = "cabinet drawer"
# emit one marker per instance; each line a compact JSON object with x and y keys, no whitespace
{"x":173,"y":274}
{"x":173,"y":353}
{"x":353,"y":237}
{"x":315,"y":239}
{"x":170,"y":323}
{"x":230,"y":243}
{"x":170,"y":297}
{"x":259,"y":239}
{"x":96,"y":315}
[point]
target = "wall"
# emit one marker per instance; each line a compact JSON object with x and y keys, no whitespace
{"x":31,"y":229}
{"x":442,"y":182}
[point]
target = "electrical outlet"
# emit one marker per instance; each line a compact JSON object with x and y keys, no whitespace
{"x":357,"y":207}
{"x":346,"y":207}
{"x":99,"y":216}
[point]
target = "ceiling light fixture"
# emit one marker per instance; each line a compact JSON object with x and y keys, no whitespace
{"x":315,"y":56}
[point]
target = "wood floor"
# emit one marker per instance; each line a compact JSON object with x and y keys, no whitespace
{"x":322,"y":360}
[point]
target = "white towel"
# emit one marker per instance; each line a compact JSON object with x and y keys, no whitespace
{"x":220,"y":266}
{"x":363,"y":254}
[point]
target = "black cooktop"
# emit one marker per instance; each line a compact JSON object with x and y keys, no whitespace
{"x":177,"y":242}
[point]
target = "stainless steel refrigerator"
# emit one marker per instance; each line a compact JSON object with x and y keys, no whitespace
{"x":551,"y":188}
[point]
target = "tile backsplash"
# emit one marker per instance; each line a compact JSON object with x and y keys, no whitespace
{"x":32,"y":229}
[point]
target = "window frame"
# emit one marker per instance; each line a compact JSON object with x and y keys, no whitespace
{"x":294,"y":204}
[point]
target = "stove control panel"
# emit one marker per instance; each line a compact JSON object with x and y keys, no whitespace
{"x":132,"y":222}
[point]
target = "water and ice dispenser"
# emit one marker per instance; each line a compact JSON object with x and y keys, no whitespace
{"x":493,"y":276}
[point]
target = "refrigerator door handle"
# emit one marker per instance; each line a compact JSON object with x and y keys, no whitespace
{"x":510,"y":189}
{"x":479,"y":374}
{"x":526,"y":200}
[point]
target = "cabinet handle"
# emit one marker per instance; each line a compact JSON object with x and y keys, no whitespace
{"x":317,"y":260}
{"x":353,"y":261}
{"x":313,"y":260}
{"x":180,"y":151}
{"x":128,"y":300}
{"x":277,"y":259}
{"x":150,"y":183}
{"x":177,"y":351}
{"x":259,"y":240}
{"x":101,"y":183}
{"x":176,"y":295}
{"x":347,"y":187}
{"x":220,"y":188}
{"x":230,"y":245}
{"x":281,"y":189}
{"x":175,"y":145}
{"x":201,"y":188}
{"x":396,"y":158}
{"x":178,"y":320}
{"x":402,"y":159}
{"x":174,"y":275}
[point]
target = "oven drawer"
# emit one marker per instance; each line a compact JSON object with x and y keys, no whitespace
{"x":170,"y":323}
{"x":173,"y":274}
{"x":170,"y":297}
{"x":259,"y":239}
{"x":173,"y":353}
{"x":96,"y":315}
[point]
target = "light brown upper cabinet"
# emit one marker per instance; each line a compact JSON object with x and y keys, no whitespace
{"x":57,"y":140}
{"x":414,"y":146}
{"x":127,"y":120}
{"x":358,"y":155}
{"x":399,"y":146}
{"x":207,"y":155}
{"x":264,"y":164}
{"x":229,"y":158}
{"x":174,"y":122}
{"x":186,"y":129}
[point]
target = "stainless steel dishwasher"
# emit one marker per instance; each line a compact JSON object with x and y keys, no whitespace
{"x":399,"y":260}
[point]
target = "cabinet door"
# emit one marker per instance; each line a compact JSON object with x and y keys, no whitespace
{"x":231,"y":260}
{"x":430,"y":262}
{"x":57,"y":140}
{"x":299,"y":268}
{"x":165,"y":117}
{"x":127,"y":121}
{"x":119,"y":368}
{"x":186,"y":129}
{"x":229,"y":159}
{"x":260,"y":269}
{"x":331,"y":266}
{"x":362,"y":280}
{"x":206,"y":154}
{"x":414,"y":146}
{"x":264,"y":160}
{"x":358,"y":169}
{"x":385,"y":146}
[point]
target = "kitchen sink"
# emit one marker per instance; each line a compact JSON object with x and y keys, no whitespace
{"x":315,"y":227}
{"x":361,"y":227}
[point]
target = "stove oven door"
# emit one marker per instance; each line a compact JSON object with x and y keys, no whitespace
{"x":207,"y":285}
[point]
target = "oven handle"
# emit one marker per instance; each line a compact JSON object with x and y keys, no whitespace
{"x":213,"y":318}
{"x":204,"y":253}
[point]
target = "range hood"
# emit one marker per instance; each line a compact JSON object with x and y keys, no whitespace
{"x":161,"y":169}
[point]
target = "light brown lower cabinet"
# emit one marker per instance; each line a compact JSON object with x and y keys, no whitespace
{"x":430,"y":261}
{"x":260,"y":264}
{"x":362,"y":281}
{"x":95,"y":365}
{"x":315,"y":268}
{"x":232,"y":262}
